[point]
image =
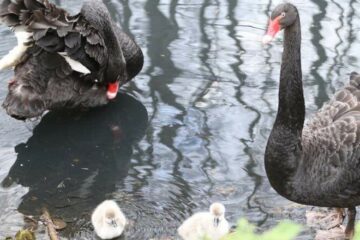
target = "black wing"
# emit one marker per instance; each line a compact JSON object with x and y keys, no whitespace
{"x":331,"y":138}
{"x":55,"y":30}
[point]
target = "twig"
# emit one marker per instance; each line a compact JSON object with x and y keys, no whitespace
{"x":50,"y":225}
{"x":27,"y":217}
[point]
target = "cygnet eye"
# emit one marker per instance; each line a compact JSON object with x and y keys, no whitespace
{"x":283,"y":14}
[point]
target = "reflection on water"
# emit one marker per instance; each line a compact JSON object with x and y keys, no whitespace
{"x":210,"y":90}
{"x":75,"y":160}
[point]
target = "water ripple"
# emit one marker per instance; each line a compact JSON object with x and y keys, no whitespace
{"x":206,"y":102}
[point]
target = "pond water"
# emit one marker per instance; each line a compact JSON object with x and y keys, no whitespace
{"x":191,"y":128}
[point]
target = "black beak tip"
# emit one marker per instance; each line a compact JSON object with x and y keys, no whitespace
{"x":216,"y":222}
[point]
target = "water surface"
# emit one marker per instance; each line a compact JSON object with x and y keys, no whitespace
{"x":191,"y":128}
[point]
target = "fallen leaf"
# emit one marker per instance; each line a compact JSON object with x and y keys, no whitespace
{"x":59,"y":224}
{"x":24,"y":235}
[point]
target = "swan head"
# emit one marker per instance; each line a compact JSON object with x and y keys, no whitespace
{"x":97,"y":14}
{"x":284,"y":15}
{"x":218,"y":211}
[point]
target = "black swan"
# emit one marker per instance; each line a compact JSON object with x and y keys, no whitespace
{"x":64,"y":61}
{"x":316,"y":164}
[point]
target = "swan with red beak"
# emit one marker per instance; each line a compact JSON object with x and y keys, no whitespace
{"x":313,"y":163}
{"x":63,"y":60}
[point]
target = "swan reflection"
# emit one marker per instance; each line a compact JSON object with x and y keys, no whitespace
{"x":74,"y":160}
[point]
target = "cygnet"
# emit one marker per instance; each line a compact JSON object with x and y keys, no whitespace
{"x":211,"y":225}
{"x":108,"y":220}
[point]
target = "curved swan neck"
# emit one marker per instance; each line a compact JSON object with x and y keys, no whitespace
{"x":97,"y":14}
{"x":284,"y":150}
{"x":291,"y":109}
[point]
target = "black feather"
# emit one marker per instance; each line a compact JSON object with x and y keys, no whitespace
{"x":40,"y":34}
{"x":90,"y":37}
{"x":73,"y":40}
{"x":33,"y":5}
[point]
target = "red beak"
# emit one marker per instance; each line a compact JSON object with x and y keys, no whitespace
{"x":273,"y":28}
{"x":112,"y":90}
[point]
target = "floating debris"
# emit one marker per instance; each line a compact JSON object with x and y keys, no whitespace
{"x":59,"y":223}
{"x":50,"y":225}
{"x":30,"y":223}
{"x":24,"y":235}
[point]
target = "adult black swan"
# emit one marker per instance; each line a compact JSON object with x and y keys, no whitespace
{"x":317,"y":164}
{"x":64,"y":61}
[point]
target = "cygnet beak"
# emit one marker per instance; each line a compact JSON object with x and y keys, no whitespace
{"x":216,"y":222}
{"x":113,"y":223}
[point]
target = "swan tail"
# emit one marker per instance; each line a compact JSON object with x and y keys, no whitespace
{"x":25,"y":98}
{"x":22,"y":102}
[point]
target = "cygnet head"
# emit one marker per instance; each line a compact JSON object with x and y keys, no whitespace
{"x":218,"y":210}
{"x":110,"y":218}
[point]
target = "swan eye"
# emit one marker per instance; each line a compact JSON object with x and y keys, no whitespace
{"x":283,"y":14}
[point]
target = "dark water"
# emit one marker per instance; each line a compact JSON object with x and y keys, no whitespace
{"x":192,"y":128}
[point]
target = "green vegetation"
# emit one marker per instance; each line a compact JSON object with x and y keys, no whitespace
{"x":23,"y":235}
{"x":357,"y":232}
{"x":285,"y":230}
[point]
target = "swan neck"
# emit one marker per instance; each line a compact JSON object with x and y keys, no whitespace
{"x":291,"y":108}
{"x":284,"y":149}
{"x":95,"y":12}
